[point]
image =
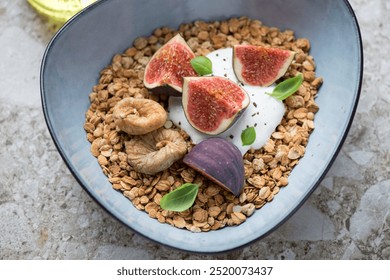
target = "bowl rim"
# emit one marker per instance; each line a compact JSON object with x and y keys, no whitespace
{"x":73,"y":171}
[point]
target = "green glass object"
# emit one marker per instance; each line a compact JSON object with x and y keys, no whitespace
{"x":57,"y":12}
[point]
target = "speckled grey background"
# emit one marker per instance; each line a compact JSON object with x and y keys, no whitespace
{"x":45,"y":214}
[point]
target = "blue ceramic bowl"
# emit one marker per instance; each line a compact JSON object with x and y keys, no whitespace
{"x":86,"y":44}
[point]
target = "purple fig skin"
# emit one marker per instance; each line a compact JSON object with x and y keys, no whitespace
{"x":165,"y":90}
{"x":220,"y":161}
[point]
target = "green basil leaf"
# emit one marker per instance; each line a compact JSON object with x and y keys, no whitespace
{"x":202,"y":65}
{"x":287,"y":87}
{"x":181,"y":198}
{"x":248,"y":136}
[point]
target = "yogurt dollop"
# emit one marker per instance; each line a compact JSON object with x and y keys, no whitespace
{"x":264,"y":112}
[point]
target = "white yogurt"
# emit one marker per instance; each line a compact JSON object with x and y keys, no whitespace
{"x":264,"y":112}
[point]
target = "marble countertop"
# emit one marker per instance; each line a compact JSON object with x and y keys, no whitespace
{"x":45,"y":214}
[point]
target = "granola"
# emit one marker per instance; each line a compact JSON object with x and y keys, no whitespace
{"x":266,"y":170}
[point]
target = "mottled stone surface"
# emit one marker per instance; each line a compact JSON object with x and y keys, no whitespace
{"x":45,"y":214}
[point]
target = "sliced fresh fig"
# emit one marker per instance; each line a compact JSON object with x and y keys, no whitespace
{"x":220,"y":161}
{"x":168,"y":66}
{"x":260,"y":66}
{"x":212,"y":104}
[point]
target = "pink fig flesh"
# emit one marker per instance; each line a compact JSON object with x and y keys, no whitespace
{"x":168,"y":66}
{"x":260,"y":66}
{"x":212,"y":104}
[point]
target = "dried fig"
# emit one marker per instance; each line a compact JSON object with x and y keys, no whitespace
{"x":137,"y":116}
{"x":155,"y":151}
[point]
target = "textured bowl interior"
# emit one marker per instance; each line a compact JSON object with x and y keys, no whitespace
{"x":86,"y":44}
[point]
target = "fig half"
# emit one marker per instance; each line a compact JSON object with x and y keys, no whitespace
{"x":212,"y":104}
{"x":220,"y":161}
{"x":165,"y":71}
{"x":259,"y":65}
